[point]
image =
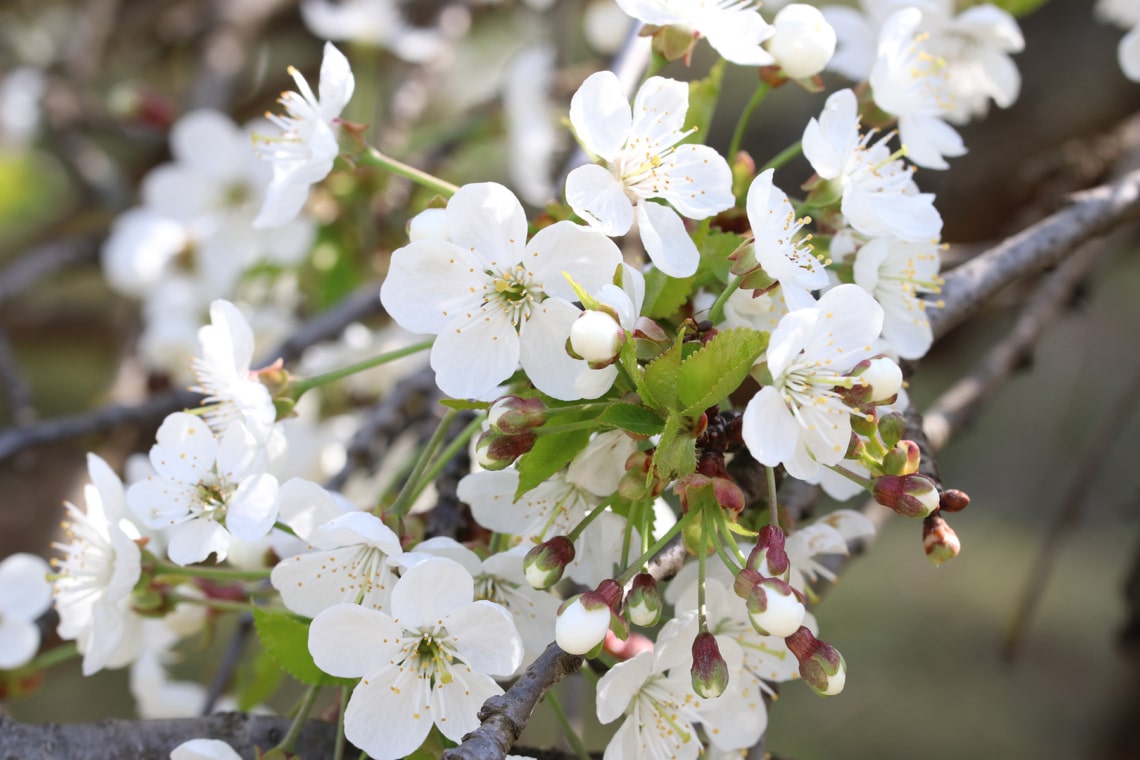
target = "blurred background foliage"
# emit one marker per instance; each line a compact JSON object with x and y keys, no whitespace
{"x":929,"y":674}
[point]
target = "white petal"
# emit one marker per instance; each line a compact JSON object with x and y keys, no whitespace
{"x":600,"y":114}
{"x":487,"y":219}
{"x":666,"y":240}
{"x":349,"y":641}
{"x":472,"y":357}
{"x":597,"y":197}
{"x":430,"y":591}
{"x":619,"y":685}
{"x":388,"y":715}
{"x":204,"y":749}
{"x":184,"y":449}
{"x":485,"y":637}
{"x":592,"y":383}
{"x":770,"y":431}
{"x":588,"y":256}
{"x":304,"y":506}
{"x":1128,"y":53}
{"x":253,"y":507}
{"x":737,"y":35}
{"x":430,"y":283}
{"x":358,"y":528}
{"x":542,"y":349}
{"x":194,"y":541}
{"x":19,"y":641}
{"x":659,"y":110}
{"x":25,"y":593}
{"x":228,"y":149}
{"x":337,"y":82}
{"x":928,"y":139}
{"x":700,"y":181}
{"x":457,"y":704}
{"x":490,"y":495}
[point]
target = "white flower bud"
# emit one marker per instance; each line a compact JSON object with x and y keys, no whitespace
{"x":580,"y":628}
{"x":803,"y":42}
{"x":884,"y":377}
{"x":835,"y":682}
{"x":784,"y":611}
{"x":596,"y":336}
{"x":429,"y":224}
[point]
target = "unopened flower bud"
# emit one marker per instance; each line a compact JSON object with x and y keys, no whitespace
{"x":513,"y":415}
{"x":644,"y":603}
{"x":939,"y":540}
{"x":892,"y":427}
{"x":774,"y":607}
{"x":710,"y":671}
{"x":674,"y":42}
{"x":803,"y":41}
{"x":429,"y":224}
{"x":821,"y":665}
{"x":724,"y":490}
{"x":864,"y":420}
{"x":544,"y":564}
{"x":884,"y":378}
{"x":596,"y":337}
{"x":909,"y":495}
{"x":496,"y":451}
{"x":582,"y":624}
{"x":953,"y":500}
{"x":903,"y":459}
{"x":768,"y":557}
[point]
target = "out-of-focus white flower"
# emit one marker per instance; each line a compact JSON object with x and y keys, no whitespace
{"x":204,"y":749}
{"x":303,"y":153}
{"x":531,"y":136}
{"x":879,"y":197}
{"x":494,"y":298}
{"x":376,"y":22}
{"x":429,"y":663}
{"x":762,"y":312}
{"x":1125,"y":14}
{"x":803,"y":41}
{"x":896,"y":273}
{"x":734,"y":28}
{"x":799,"y":421}
{"x":21,"y":90}
{"x":233,"y":393}
{"x":908,"y":81}
{"x":25,"y":594}
{"x":205,"y":488}
{"x":95,"y":575}
{"x":645,"y":161}
{"x":605,"y":26}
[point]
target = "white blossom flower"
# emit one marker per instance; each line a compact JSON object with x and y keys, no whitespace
{"x":626,"y":302}
{"x":352,"y":559}
{"x":96,"y":574}
{"x":785,"y":258}
{"x":232,"y":390}
{"x":800,"y":421}
{"x":762,"y":312}
{"x":500,"y":579}
{"x":831,"y":534}
{"x":495,"y":299}
{"x":645,"y":161}
{"x":25,"y":594}
{"x":879,"y":194}
{"x":376,"y":22}
{"x":896,"y":272}
{"x":654,"y":691}
{"x":428,"y":663}
{"x":205,"y":488}
{"x":304,"y":152}
{"x":1125,"y":14}
{"x":734,"y":28}
{"x":908,"y":81}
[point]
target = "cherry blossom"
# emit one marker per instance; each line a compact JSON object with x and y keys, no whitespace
{"x":645,"y":161}
{"x":733,"y":27}
{"x":377,"y":22}
{"x":25,"y":594}
{"x":784,"y":256}
{"x":495,"y":299}
{"x":896,"y":273}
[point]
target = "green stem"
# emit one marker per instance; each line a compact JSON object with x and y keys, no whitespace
{"x":702,"y":560}
{"x":210,"y":573}
{"x":594,"y":513}
{"x":373,"y":157}
{"x":726,"y":531}
{"x":716,"y":312}
{"x":567,"y":729}
{"x":783,"y":157}
{"x":406,"y":497}
{"x":45,"y":660}
{"x":308,"y":383}
{"x":635,"y":567}
{"x":569,"y":427}
{"x":445,"y":456}
{"x":867,"y":483}
{"x":725,"y":557}
{"x":745,"y":115}
{"x":290,"y":741}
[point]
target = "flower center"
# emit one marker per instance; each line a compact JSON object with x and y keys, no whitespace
{"x":428,"y":654}
{"x":515,"y":293}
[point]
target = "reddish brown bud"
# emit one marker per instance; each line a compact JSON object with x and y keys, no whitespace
{"x":710,"y":671}
{"x":496,"y":451}
{"x":821,"y":665}
{"x":953,"y":500}
{"x":513,"y":415}
{"x":769,"y":557}
{"x":544,"y":564}
{"x":909,"y":495}
{"x":939,"y":540}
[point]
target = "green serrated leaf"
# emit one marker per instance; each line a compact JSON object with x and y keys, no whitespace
{"x":286,"y":639}
{"x":715,"y":247}
{"x":703,"y":97}
{"x":708,"y":376}
{"x":676,"y":451}
{"x":632,"y":417}
{"x":665,"y":295}
{"x":464,"y":405}
{"x":550,"y":454}
{"x":658,"y":384}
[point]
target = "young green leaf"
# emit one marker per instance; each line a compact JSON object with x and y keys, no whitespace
{"x":633,"y":418}
{"x":286,"y":639}
{"x":708,"y":376}
{"x":550,"y":454}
